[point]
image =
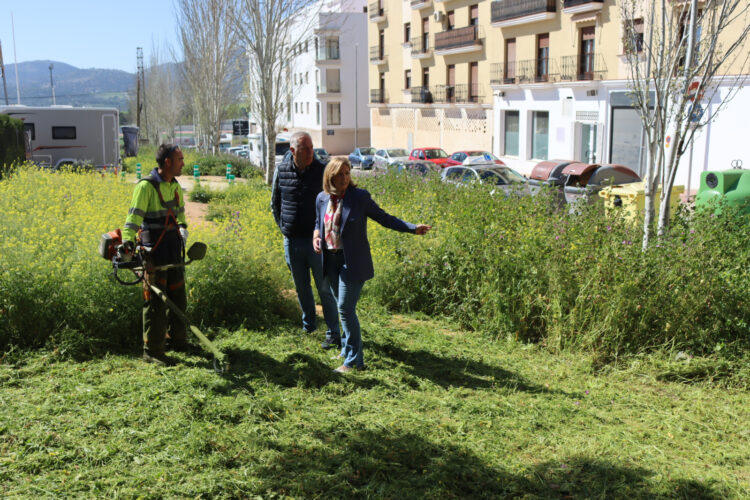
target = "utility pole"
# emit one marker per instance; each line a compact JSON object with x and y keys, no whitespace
{"x":2,"y":70}
{"x":138,"y":76}
{"x":52,"y":85}
{"x":356,"y":95}
{"x":15,"y":58}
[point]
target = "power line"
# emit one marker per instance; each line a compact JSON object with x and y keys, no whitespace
{"x":73,"y":95}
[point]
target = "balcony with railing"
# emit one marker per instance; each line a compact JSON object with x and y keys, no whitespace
{"x":327,"y":55}
{"x":376,"y":12}
{"x":504,"y":73}
{"x":420,"y":4}
{"x":421,"y":47}
{"x":467,"y":92}
{"x":577,"y":6}
{"x":539,"y":70}
{"x":458,"y":41}
{"x":582,"y":67}
{"x":514,"y":12}
{"x":461,"y":93}
{"x":378,"y":96}
{"x":328,"y":88}
{"x":377,"y":54}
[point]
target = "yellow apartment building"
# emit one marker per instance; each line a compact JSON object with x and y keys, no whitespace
{"x":430,"y":73}
{"x":527,"y":79}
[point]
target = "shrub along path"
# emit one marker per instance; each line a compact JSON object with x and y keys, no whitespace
{"x":440,"y":413}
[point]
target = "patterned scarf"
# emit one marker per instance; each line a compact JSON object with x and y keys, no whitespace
{"x":333,"y":224}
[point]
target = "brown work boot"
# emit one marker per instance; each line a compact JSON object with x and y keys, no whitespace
{"x":158,"y":359}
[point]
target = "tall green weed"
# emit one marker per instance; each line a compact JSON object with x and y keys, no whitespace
{"x":524,"y":269}
{"x":55,"y":288}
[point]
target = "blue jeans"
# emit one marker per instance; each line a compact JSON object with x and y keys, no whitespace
{"x":301,"y":259}
{"x":347,"y":293}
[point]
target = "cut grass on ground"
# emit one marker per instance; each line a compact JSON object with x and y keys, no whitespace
{"x":439,"y":414}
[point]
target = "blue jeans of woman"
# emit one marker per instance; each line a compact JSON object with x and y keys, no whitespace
{"x":347,"y":293}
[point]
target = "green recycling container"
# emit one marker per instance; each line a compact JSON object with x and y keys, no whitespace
{"x":730,"y":186}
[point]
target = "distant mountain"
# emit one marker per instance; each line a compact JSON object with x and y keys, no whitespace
{"x":73,"y":86}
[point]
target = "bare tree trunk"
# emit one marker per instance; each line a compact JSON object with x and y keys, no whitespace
{"x":680,"y":58}
{"x":210,"y":67}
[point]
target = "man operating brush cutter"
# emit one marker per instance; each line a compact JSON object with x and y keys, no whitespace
{"x":152,"y":245}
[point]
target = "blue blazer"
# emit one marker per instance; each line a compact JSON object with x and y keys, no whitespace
{"x":358,"y":206}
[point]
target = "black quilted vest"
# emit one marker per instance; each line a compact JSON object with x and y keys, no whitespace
{"x":298,"y":192}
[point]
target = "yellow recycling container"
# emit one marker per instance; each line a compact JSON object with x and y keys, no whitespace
{"x":630,"y":199}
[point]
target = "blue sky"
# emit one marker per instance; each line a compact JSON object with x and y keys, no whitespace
{"x":86,"y":33}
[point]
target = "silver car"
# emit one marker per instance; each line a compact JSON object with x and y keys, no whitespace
{"x":387,"y":157}
{"x":478,"y":170}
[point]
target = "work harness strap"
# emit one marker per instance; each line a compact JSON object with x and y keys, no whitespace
{"x":170,"y":213}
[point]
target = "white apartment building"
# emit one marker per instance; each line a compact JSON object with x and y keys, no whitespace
{"x":560,"y":91}
{"x":329,"y":97}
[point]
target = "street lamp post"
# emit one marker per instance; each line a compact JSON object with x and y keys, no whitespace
{"x":356,"y":95}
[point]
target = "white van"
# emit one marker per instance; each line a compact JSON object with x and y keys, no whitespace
{"x":255,"y":151}
{"x":64,"y":135}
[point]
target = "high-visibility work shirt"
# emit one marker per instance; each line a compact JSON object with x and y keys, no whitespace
{"x":146,"y":209}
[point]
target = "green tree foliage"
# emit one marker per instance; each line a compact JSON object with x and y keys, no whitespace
{"x":12,"y":149}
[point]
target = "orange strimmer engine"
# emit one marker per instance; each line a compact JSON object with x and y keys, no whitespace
{"x":108,"y":244}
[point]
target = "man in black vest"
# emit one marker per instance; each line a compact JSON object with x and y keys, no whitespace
{"x":296,"y":183}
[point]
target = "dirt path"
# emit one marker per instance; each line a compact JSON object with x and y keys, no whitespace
{"x":195,"y":212}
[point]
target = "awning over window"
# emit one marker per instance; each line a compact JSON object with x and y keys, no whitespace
{"x":584,"y":16}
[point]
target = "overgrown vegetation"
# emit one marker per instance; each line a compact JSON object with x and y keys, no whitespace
{"x":55,"y":289}
{"x":441,"y":412}
{"x":207,"y":164}
{"x":12,"y":151}
{"x":521,"y":269}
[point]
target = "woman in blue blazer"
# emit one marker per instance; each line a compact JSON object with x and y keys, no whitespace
{"x":340,"y":237}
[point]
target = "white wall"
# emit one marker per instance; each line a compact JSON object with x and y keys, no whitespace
{"x":716,"y":146}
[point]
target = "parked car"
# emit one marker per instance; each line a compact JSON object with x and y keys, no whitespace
{"x":322,"y":155}
{"x":434,"y":155}
{"x":477,"y":169}
{"x":413,"y":167}
{"x":240,"y":151}
{"x":386,"y":157}
{"x":458,"y":157}
{"x":362,"y":158}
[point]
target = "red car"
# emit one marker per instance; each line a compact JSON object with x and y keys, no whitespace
{"x":458,"y":157}
{"x":433,"y":155}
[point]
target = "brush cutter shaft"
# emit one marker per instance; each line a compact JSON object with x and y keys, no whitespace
{"x":207,"y":344}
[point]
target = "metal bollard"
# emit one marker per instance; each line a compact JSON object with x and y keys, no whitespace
{"x":138,"y":171}
{"x":229,"y":170}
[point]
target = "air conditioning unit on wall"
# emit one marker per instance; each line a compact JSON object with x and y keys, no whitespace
{"x":438,"y":16}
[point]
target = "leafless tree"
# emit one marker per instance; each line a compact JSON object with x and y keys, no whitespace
{"x":269,"y":30}
{"x":211,"y":65}
{"x":670,"y":45}
{"x":165,"y":100}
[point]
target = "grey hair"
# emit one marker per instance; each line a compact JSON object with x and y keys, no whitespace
{"x":296,"y":137}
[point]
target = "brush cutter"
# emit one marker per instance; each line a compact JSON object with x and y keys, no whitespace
{"x":137,"y":263}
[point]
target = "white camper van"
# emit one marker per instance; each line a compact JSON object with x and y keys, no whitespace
{"x":255,"y":151}
{"x":64,"y":135}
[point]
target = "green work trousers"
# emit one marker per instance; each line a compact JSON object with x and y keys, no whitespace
{"x":157,"y":318}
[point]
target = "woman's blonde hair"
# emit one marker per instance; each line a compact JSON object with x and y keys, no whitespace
{"x":332,"y":169}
